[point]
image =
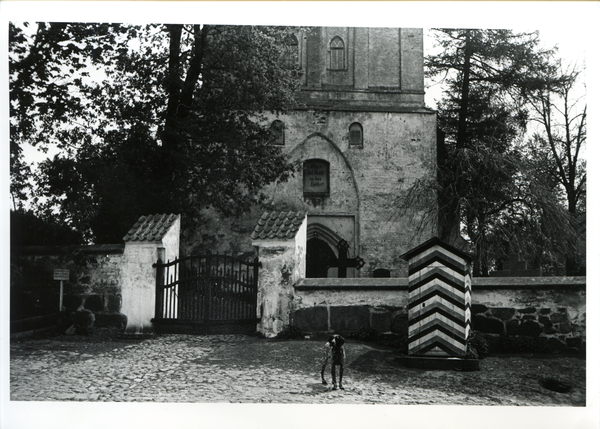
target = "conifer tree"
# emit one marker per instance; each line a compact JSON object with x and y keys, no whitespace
{"x":486,"y":193}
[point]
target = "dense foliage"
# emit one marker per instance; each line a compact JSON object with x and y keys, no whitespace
{"x":144,"y":119}
{"x":493,"y":189}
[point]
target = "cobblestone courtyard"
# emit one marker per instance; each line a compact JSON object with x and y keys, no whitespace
{"x":244,"y":369}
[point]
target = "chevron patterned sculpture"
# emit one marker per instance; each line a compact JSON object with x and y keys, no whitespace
{"x":439,"y":308}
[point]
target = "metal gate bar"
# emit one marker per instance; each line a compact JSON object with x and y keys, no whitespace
{"x":206,"y":292}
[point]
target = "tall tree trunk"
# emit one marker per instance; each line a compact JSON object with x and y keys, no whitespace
{"x":450,"y":216}
{"x":461,"y":135}
{"x":173,"y":88}
{"x":193,"y":73}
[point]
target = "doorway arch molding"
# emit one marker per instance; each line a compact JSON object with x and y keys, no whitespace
{"x":320,"y":231}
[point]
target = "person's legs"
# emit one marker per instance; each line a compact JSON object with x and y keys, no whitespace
{"x":341,"y":375}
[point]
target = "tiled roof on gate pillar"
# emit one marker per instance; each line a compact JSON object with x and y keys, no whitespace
{"x":278,"y":225}
{"x":151,"y":228}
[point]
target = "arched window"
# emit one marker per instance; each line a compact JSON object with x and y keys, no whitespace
{"x":355,"y":134}
{"x":278,"y":132}
{"x":337,"y":53}
{"x":292,"y":52}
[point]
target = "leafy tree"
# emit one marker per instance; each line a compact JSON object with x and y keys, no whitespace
{"x":485,"y":187}
{"x":564,"y":135}
{"x":556,"y":152}
{"x":26,"y":229}
{"x":157,"y":118}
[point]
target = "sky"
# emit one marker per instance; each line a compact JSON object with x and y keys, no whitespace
{"x":567,"y":38}
{"x":570,"y":25}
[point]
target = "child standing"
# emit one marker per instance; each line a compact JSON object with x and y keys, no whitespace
{"x":334,"y":347}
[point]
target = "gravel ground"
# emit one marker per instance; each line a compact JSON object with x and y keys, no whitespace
{"x":245,"y":369}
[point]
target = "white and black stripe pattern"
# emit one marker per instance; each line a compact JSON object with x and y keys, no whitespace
{"x":439,"y":310}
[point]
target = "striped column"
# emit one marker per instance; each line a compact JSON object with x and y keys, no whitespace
{"x":439,"y":309}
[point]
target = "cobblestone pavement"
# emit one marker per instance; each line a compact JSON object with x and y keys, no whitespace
{"x":229,"y":368}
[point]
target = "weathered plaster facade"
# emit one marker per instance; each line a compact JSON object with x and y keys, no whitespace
{"x":379,"y":91}
{"x":282,"y":266}
{"x":144,"y":245}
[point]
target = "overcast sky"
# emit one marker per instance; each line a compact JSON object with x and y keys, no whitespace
{"x":570,"y":25}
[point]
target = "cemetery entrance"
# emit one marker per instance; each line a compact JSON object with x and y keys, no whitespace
{"x":206,"y":294}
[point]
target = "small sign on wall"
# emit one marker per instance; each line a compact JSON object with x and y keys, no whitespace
{"x":61,"y":274}
{"x":316,"y":177}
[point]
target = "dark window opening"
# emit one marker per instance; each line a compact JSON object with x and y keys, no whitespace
{"x":381,"y":273}
{"x":318,"y":255}
{"x":337,"y":54}
{"x":292,"y":52}
{"x":278,"y":132}
{"x":356,"y":134}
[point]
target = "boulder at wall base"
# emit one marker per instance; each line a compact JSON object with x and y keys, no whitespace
{"x":530,"y":328}
{"x":487,"y":325}
{"x":313,"y":319}
{"x":118,"y":321}
{"x":114,"y":303}
{"x":84,"y":322}
{"x":556,"y":344}
{"x":576,"y":342}
{"x":94,"y":303}
{"x":348,"y":319}
{"x":513,"y":327}
{"x":381,"y":320}
{"x":503,"y":313}
{"x":545,"y":321}
{"x":400,"y":324}
{"x":527,"y":328}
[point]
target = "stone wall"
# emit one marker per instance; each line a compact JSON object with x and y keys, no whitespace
{"x":94,"y":283}
{"x":383,"y":66}
{"x":109,"y":285}
{"x":531,"y":313}
{"x":515,"y":314}
{"x":351,"y":305}
{"x":381,"y":87}
{"x":367,"y":183}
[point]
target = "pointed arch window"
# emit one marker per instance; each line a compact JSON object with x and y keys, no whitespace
{"x":355,"y":135}
{"x":292,"y":52}
{"x":337,"y":54}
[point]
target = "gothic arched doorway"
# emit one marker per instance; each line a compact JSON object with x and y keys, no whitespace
{"x":318,"y":255}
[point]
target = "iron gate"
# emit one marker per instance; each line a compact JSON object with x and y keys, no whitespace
{"x":206,"y":294}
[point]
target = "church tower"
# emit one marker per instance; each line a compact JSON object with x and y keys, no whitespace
{"x":361,"y":139}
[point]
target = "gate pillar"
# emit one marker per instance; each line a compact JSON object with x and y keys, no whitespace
{"x":439,"y":300}
{"x":151,"y":238}
{"x":280,"y":238}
